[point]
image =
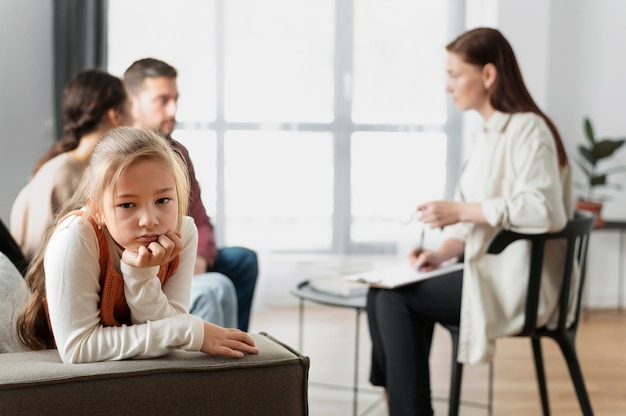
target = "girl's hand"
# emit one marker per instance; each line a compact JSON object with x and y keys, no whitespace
{"x":227,"y":341}
{"x":424,"y":260}
{"x":440,"y":213}
{"x":161,"y":251}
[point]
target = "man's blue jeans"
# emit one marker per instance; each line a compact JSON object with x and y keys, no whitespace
{"x":241,"y":266}
{"x":213,"y":299}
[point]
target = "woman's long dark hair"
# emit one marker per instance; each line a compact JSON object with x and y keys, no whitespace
{"x":86,"y":99}
{"x":484,"y":46}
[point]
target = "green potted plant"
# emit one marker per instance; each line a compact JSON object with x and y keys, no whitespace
{"x":596,"y":149}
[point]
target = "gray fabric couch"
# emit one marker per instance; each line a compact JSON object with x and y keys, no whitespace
{"x":274,"y":382}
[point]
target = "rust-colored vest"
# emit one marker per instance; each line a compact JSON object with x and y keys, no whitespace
{"x":114,"y":310}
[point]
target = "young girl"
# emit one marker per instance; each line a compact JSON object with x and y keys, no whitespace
{"x":113,"y":281}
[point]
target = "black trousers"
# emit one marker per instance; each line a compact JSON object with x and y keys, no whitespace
{"x":401,"y":324}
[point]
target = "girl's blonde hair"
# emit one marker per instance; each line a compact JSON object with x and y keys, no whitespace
{"x":117,"y":150}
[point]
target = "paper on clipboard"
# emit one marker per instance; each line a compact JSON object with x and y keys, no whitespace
{"x":401,"y":275}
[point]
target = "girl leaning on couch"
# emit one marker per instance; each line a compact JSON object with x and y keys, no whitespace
{"x":113,"y":280}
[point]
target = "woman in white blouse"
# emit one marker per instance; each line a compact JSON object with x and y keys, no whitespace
{"x":516,"y":177}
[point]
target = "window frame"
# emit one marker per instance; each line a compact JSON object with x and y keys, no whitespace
{"x":341,"y":127}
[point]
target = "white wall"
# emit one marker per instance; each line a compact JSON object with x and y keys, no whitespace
{"x":570,"y":51}
{"x":592,"y":83}
{"x":26,"y":115}
{"x":586,"y":79}
{"x":572,"y":57}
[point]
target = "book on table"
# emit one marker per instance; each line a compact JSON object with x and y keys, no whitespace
{"x":401,"y":275}
{"x":337,"y":286}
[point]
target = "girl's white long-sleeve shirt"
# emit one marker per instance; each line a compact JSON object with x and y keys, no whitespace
{"x":160,"y":317}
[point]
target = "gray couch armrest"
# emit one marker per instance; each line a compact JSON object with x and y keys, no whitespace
{"x":273,"y":382}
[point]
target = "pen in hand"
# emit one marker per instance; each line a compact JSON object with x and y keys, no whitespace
{"x":420,"y":247}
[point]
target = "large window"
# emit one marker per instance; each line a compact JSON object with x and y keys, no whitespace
{"x":313,"y":125}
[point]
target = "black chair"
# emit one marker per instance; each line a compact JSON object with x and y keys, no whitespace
{"x":576,"y":233}
{"x":12,"y":250}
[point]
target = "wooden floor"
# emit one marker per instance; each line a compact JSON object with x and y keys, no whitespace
{"x":329,"y":340}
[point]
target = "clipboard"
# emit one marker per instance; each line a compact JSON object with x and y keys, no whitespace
{"x":401,"y":275}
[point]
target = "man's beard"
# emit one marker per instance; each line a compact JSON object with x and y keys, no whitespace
{"x":166,"y":128}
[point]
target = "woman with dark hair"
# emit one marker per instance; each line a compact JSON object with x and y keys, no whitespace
{"x":94,"y":102}
{"x":516,"y":177}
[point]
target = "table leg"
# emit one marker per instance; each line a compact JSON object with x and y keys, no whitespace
{"x":300,"y":324}
{"x":620,"y":283}
{"x":355,"y":390}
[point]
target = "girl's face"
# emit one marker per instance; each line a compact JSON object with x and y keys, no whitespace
{"x":466,"y":84}
{"x":144,"y":206}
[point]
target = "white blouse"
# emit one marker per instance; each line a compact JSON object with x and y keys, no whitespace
{"x":513,"y":172}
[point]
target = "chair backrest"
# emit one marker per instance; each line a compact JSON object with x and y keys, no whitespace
{"x":576,"y":233}
{"x":12,"y":250}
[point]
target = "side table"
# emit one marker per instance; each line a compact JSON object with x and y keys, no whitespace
{"x":304,"y":292}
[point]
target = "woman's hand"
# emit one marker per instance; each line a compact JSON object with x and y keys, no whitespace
{"x":424,"y":260}
{"x":227,"y":341}
{"x":440,"y":213}
{"x":201,"y":265}
{"x":163,"y":250}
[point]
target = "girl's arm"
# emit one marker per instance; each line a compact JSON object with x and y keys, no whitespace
{"x":72,"y":292}
{"x":146,"y":298}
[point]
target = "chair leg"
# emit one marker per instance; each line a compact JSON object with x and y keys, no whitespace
{"x":569,"y":353}
{"x":490,"y":391}
{"x":456,"y":376}
{"x":541,"y":375}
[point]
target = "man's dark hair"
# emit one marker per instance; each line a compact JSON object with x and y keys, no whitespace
{"x":146,"y":68}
